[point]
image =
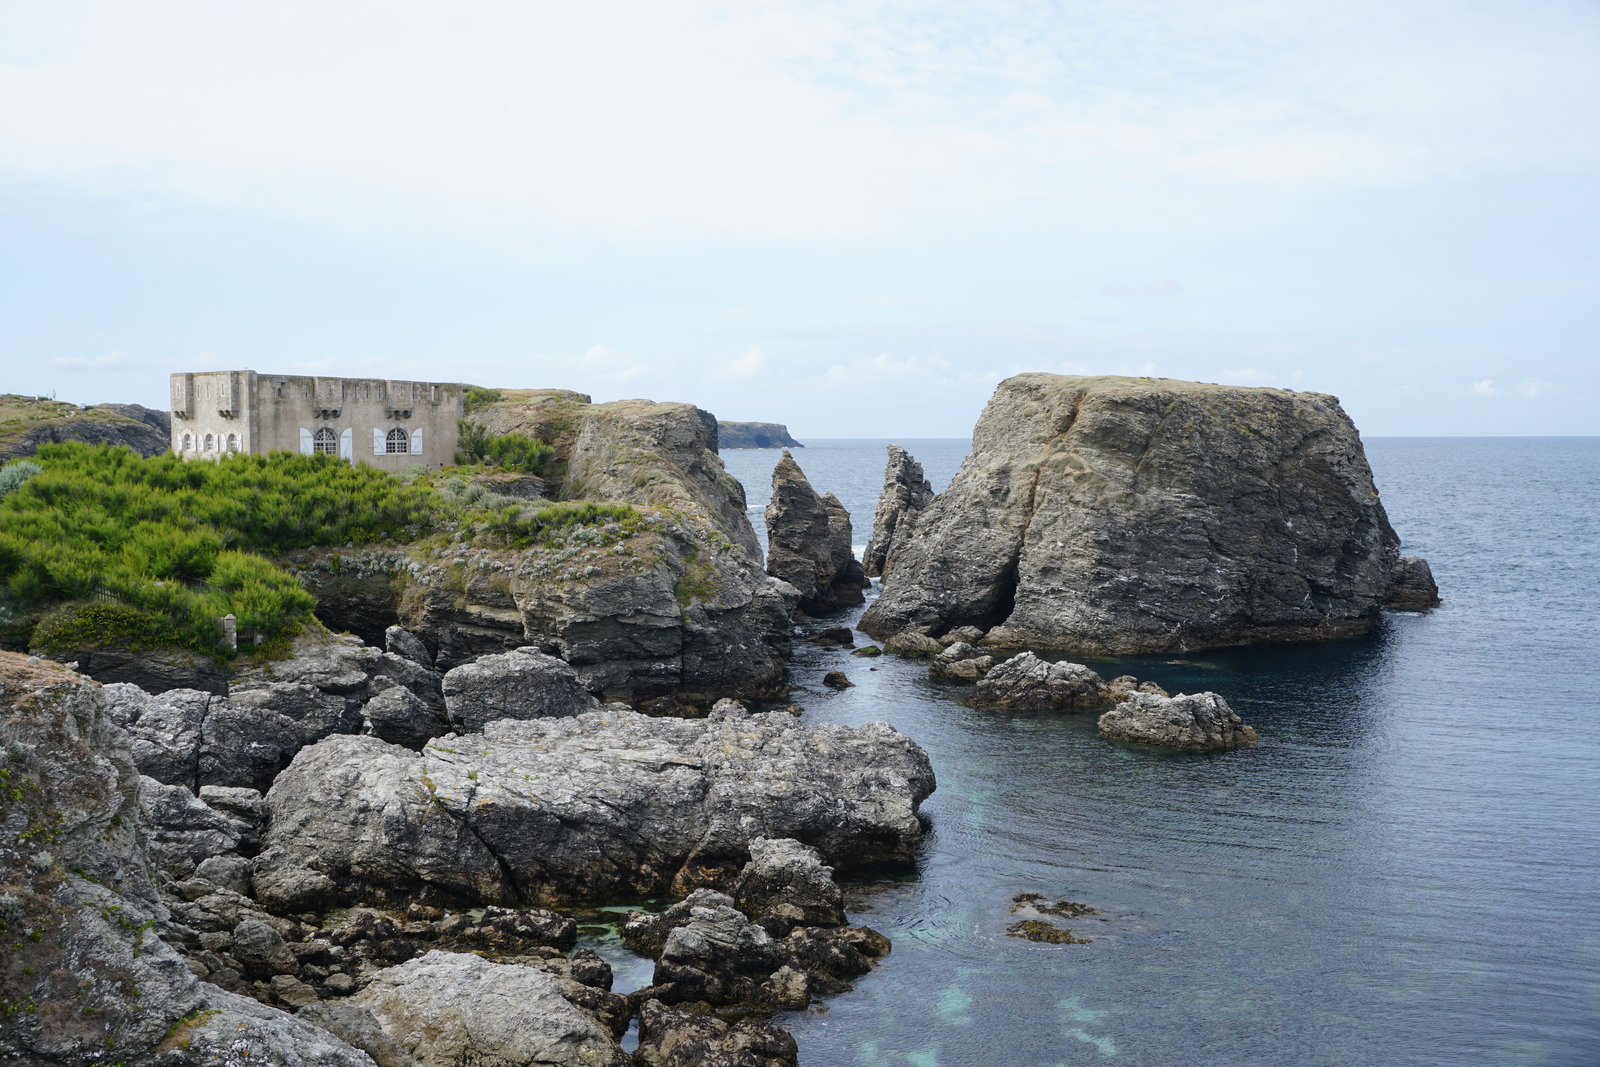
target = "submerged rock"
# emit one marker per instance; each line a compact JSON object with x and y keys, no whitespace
{"x":1125,"y":515}
{"x":601,"y":804}
{"x":690,"y":1037}
{"x":809,"y":542}
{"x":1198,"y":722}
{"x":905,"y":493}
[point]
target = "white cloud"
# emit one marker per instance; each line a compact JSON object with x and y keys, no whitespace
{"x":691,"y":118}
{"x":1485,"y":388}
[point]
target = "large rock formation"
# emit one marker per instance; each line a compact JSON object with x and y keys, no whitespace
{"x":754,"y":435}
{"x":1200,"y":722}
{"x":905,"y":493}
{"x":809,"y":542}
{"x":601,"y":804}
{"x":676,"y":603}
{"x":1125,"y":515}
{"x":86,"y":973}
{"x":34,"y":421}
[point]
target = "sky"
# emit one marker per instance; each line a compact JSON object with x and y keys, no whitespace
{"x":852,"y":218}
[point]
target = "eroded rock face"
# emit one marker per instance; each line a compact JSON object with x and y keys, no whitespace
{"x":1200,"y":722}
{"x":100,"y":975}
{"x":1124,"y":515}
{"x":809,"y":542}
{"x":905,"y":493}
{"x":523,"y":684}
{"x":960,"y":662}
{"x":449,"y":1007}
{"x":785,"y":885}
{"x":601,"y":804}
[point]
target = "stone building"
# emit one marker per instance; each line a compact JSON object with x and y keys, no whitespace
{"x":389,"y":424}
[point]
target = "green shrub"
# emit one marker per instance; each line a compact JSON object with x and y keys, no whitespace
{"x":479,"y":397}
{"x":15,"y":473}
{"x":154,"y":551}
{"x":510,"y":451}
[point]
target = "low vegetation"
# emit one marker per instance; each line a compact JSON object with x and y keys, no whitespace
{"x":102,"y":545}
{"x":508,"y":451}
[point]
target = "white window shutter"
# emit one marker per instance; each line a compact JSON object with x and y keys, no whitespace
{"x":347,"y":444}
{"x":377,"y":442}
{"x":416,"y":442}
{"x":305,"y":442}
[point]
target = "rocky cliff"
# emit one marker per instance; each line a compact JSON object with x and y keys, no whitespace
{"x":755,"y":435}
{"x":808,"y":542}
{"x":1124,"y":515}
{"x":673,"y":603}
{"x":905,"y":493}
{"x":28,"y":422}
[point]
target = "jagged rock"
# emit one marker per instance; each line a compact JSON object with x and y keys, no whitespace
{"x":1028,"y":683}
{"x":602,"y":804}
{"x":646,"y":934}
{"x":448,"y":1008}
{"x":969,"y":634}
{"x":1199,"y":722}
{"x":912,"y":644}
{"x":287,"y":887}
{"x":960,"y":662}
{"x":1411,"y":586}
{"x":718,"y":956}
{"x":754,"y":435}
{"x":333,"y":664}
{"x":226,"y":872}
{"x":74,"y":770}
{"x":834,"y":635}
{"x":182,"y":831}
{"x":1119,"y":688}
{"x":809,"y":542}
{"x":242,"y":807}
{"x":905,"y":493}
{"x":262,"y":950}
{"x":683,"y":1037}
{"x":786,"y":884}
{"x":674,"y":602}
{"x":358,"y":1027}
{"x":524,"y":684}
{"x":400,"y":717}
{"x":1126,"y":515}
{"x":407,"y":645}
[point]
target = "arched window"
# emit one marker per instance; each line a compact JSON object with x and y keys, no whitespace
{"x":326,"y":443}
{"x":398,"y":441}
{"x":188,"y":442}
{"x":233,"y":442}
{"x":211,"y":444}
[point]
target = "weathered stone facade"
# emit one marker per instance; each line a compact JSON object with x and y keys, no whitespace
{"x":389,"y":424}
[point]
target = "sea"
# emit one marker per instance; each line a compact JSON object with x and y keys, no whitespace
{"x":1405,"y":870}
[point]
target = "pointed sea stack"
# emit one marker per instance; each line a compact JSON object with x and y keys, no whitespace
{"x":808,"y":542}
{"x":905,"y":493}
{"x":1124,"y":515}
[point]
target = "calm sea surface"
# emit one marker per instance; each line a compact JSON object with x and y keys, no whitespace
{"x":1406,"y":870}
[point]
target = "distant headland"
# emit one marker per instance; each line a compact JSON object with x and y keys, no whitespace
{"x":754,"y":435}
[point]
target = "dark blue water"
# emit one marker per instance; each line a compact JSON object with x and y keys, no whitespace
{"x":1406,"y":870}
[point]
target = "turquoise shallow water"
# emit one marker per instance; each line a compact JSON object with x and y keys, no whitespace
{"x":1405,"y":871}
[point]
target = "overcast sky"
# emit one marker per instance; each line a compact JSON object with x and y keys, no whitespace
{"x":853,"y":218}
